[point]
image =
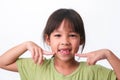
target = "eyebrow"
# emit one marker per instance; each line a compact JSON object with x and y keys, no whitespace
{"x":57,"y":31}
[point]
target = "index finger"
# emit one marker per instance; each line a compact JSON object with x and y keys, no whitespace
{"x":47,"y":53}
{"x":81,"y":55}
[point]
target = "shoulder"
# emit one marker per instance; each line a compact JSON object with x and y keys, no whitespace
{"x":98,"y":72}
{"x":94,"y":68}
{"x":28,"y":67}
{"x":25,"y":61}
{"x":29,"y":62}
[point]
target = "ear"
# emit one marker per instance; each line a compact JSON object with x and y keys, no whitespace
{"x":47,"y":40}
{"x":81,"y":41}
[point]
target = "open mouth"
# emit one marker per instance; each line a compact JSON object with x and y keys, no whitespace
{"x":64,"y":51}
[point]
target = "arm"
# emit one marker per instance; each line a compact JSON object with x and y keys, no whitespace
{"x":115,"y":63}
{"x":8,"y":59}
{"x":93,"y":57}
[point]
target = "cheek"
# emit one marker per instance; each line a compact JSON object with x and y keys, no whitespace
{"x":76,"y":42}
{"x":53,"y":45}
{"x":76,"y":45}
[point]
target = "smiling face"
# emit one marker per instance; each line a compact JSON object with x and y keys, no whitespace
{"x":63,"y":41}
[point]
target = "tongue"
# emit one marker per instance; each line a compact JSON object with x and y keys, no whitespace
{"x":65,"y":51}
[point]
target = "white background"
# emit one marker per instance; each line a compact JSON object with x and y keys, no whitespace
{"x":24,"y":20}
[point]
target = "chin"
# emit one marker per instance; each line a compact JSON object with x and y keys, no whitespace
{"x":66,"y":59}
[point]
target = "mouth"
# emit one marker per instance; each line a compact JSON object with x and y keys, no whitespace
{"x":64,"y":51}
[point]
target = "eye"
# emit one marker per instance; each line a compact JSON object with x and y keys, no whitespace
{"x":57,"y":35}
{"x":73,"y":35}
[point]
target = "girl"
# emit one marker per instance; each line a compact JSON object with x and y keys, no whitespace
{"x":64,"y":33}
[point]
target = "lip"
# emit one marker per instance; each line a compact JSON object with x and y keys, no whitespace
{"x":64,"y":51}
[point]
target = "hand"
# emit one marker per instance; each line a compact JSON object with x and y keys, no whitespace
{"x":93,"y":57}
{"x":37,"y":52}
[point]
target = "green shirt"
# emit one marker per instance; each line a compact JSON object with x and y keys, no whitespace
{"x":30,"y":71}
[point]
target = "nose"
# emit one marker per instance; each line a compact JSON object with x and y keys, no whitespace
{"x":65,"y":41}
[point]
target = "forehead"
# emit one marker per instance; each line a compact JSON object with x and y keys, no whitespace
{"x":65,"y":25}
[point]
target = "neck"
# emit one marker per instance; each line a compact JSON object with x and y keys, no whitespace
{"x":65,"y":67}
{"x":66,"y":64}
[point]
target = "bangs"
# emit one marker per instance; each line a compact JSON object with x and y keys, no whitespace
{"x":67,"y":24}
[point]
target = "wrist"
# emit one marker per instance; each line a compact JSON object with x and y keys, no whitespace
{"x":28,"y":44}
{"x":108,"y":53}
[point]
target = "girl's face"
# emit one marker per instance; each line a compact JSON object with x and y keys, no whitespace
{"x":64,"y":42}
